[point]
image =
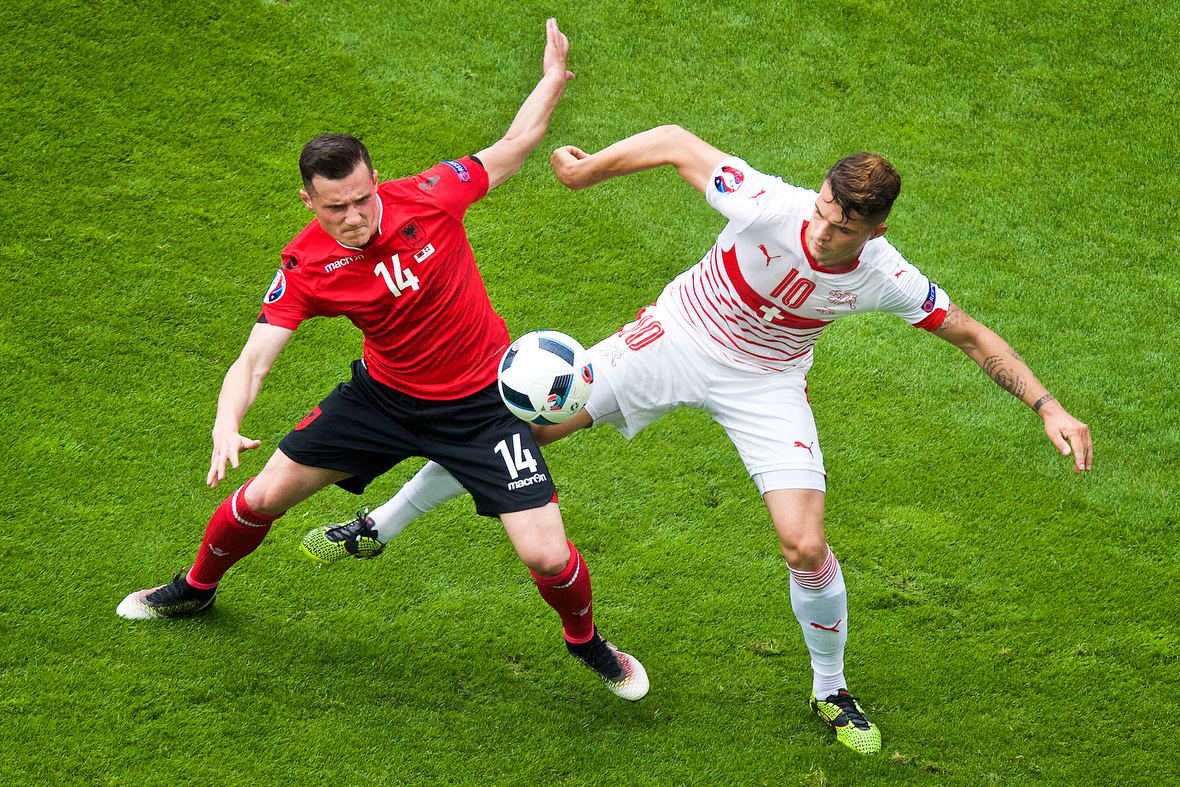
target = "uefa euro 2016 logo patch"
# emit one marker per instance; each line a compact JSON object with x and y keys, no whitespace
{"x":729,"y":180}
{"x":928,"y":306}
{"x":460,"y":170}
{"x":277,"y":288}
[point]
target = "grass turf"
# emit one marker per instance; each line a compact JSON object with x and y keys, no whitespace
{"x":1012,"y":623}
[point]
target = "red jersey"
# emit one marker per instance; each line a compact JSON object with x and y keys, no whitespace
{"x":414,"y":290}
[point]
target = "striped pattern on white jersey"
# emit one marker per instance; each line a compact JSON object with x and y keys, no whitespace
{"x":743,"y":337}
{"x":758,"y":302}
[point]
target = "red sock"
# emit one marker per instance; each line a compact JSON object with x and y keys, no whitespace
{"x":234,"y":531}
{"x":569,"y":594}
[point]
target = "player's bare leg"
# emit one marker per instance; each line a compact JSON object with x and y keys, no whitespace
{"x":563,"y":580}
{"x":235,"y":530}
{"x":366,"y":535}
{"x":819,"y":600}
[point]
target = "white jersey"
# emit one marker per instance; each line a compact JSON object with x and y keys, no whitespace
{"x":757,"y":302}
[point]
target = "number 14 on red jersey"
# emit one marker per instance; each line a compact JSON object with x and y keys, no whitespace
{"x":400,"y":279}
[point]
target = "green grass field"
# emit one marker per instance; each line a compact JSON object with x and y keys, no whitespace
{"x":1012,"y":623}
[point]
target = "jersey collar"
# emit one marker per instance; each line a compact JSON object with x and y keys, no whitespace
{"x":814,"y":265}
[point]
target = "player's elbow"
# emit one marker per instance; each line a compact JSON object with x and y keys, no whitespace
{"x":258,"y":375}
{"x":252,"y":367}
{"x":671,"y":132}
{"x":672,"y":140}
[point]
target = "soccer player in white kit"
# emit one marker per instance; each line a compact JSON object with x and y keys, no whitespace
{"x":733,"y":336}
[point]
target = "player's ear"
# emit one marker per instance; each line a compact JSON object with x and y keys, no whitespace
{"x":374,"y":177}
{"x":879,"y":231}
{"x":303,"y":195}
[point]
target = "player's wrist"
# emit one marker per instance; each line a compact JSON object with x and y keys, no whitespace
{"x":221,"y":429}
{"x":554,"y":75}
{"x":1045,"y":405}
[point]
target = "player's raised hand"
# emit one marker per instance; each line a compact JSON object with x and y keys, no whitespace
{"x":226,"y":446}
{"x":1069,"y":435}
{"x":557,"y":49}
{"x":565,"y":165}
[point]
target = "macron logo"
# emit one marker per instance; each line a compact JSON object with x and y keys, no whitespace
{"x":521,"y":483}
{"x":338,"y":264}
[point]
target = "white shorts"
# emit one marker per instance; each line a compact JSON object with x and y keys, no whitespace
{"x":651,"y":367}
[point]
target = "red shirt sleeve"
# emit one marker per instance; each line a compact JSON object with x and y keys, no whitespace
{"x":454,"y":186}
{"x":284,"y":304}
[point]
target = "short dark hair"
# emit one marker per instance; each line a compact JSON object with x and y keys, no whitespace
{"x":865,"y":184}
{"x":332,"y":156}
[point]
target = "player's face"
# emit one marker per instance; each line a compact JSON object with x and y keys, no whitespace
{"x":348,"y":208}
{"x":833,"y":238}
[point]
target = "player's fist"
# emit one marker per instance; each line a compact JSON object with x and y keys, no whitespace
{"x":565,"y":166}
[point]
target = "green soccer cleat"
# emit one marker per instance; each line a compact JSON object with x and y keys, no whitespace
{"x":844,"y":715}
{"x":330,"y":543}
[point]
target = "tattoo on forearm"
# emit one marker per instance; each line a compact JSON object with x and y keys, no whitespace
{"x":954,"y":317}
{"x":1015,"y":354}
{"x":1043,"y":401}
{"x":993,"y":367}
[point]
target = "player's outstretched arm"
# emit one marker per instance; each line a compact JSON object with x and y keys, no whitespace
{"x":1009,"y":371}
{"x":503,"y":159}
{"x":693,"y":158}
{"x":242,"y":383}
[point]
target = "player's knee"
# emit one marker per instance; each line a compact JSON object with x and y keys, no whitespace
{"x":264,"y":499}
{"x":805,"y":553}
{"x":548,"y":561}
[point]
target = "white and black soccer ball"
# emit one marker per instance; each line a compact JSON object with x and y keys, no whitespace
{"x":545,"y":377}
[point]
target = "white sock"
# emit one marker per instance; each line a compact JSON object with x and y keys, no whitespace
{"x":429,"y":488}
{"x":820,"y":602}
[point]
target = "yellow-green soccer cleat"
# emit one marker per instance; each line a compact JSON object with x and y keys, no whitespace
{"x":329,"y":543}
{"x":844,"y":715}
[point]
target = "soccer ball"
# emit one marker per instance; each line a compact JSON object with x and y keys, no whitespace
{"x":545,"y":377}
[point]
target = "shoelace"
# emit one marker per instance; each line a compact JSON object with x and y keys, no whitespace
{"x":357,"y":527}
{"x":847,"y":704}
{"x":601,"y":657}
{"x":175,"y":588}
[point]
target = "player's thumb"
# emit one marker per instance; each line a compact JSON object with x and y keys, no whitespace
{"x":1062,"y":445}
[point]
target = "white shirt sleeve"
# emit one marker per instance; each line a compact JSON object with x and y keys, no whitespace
{"x":912,"y":297}
{"x":734,"y":189}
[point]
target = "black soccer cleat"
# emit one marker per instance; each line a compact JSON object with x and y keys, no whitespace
{"x":621,"y":672}
{"x":174,"y":600}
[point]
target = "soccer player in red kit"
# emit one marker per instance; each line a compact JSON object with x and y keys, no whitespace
{"x":394,"y":258}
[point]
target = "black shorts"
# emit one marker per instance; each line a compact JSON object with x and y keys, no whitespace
{"x":364,"y":428}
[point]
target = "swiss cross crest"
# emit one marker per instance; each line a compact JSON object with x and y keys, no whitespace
{"x":412,"y":234}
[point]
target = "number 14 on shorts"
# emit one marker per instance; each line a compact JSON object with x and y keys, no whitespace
{"x":518,"y":459}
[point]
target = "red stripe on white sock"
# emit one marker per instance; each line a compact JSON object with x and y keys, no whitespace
{"x":821,"y":577}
